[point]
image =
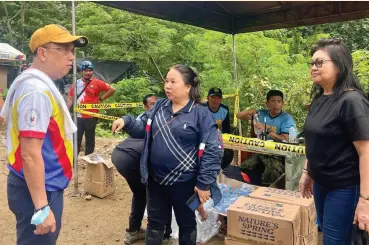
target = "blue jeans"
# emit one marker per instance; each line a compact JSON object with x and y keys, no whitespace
{"x":20,"y":203}
{"x":335,"y":212}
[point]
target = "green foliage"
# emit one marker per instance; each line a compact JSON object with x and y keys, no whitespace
{"x":361,"y":66}
{"x":4,"y":93}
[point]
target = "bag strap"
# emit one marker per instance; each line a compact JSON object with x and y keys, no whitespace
{"x":83,"y":90}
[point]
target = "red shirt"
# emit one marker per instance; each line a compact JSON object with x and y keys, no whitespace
{"x":91,"y":93}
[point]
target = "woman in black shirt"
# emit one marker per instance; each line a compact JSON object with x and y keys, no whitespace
{"x":337,"y":144}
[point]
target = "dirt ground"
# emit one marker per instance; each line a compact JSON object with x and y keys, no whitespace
{"x":94,"y":222}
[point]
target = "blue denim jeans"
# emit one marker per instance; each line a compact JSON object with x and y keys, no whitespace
{"x":335,"y":212}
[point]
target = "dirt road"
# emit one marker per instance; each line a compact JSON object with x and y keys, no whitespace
{"x":94,"y":222}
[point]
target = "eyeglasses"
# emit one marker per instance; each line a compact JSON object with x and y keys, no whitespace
{"x":64,"y":51}
{"x":317,"y":63}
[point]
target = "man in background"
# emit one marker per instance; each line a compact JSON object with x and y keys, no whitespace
{"x":221,"y":116}
{"x":89,"y":91}
{"x":219,"y":110}
{"x":265,"y":169}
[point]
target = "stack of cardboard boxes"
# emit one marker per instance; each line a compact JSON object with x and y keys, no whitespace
{"x":272,"y":216}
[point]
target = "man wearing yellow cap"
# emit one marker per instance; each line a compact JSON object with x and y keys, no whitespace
{"x":39,"y":137}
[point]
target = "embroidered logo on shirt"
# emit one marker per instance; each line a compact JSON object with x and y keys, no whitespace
{"x":32,"y":117}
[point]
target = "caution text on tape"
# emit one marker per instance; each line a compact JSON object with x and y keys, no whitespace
{"x":238,"y":140}
{"x":109,"y":106}
{"x":111,"y":118}
{"x":123,"y":105}
{"x":232,"y":139}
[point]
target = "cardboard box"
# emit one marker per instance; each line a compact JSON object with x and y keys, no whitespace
{"x":99,"y":178}
{"x":311,"y":239}
{"x":256,"y":221}
{"x":308,"y":212}
{"x":230,"y":241}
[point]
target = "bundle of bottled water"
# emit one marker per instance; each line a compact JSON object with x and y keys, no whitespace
{"x":229,"y":196}
{"x":210,"y":227}
{"x":205,"y":229}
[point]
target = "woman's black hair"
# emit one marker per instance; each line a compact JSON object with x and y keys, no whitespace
{"x":342,"y":59}
{"x":190,"y":77}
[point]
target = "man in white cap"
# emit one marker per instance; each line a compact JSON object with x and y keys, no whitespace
{"x":39,"y":137}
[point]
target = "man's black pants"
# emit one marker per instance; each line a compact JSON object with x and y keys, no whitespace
{"x":86,"y":126}
{"x":128,"y":165}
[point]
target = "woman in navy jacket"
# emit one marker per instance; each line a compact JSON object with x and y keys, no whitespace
{"x":182,"y":154}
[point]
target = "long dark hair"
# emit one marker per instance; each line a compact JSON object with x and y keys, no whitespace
{"x":190,"y":77}
{"x":342,"y":59}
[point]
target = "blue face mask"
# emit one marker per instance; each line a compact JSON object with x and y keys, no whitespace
{"x":39,"y":217}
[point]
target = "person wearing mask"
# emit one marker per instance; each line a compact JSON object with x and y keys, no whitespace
{"x":126,"y":158}
{"x":337,"y":144}
{"x":265,"y":169}
{"x":39,"y":137}
{"x":181,"y":155}
{"x":89,"y":91}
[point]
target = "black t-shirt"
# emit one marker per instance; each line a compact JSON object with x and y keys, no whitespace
{"x":331,"y":127}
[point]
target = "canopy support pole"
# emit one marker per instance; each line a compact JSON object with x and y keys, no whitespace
{"x":75,"y":147}
{"x":236,"y":160}
{"x":236,"y":78}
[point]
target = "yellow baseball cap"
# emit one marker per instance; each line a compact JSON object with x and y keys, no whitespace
{"x":55,"y":34}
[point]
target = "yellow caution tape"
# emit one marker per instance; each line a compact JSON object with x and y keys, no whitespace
{"x":230,"y":139}
{"x":229,"y":95}
{"x":238,"y":140}
{"x":108,"y":106}
{"x":236,"y":109}
{"x":123,"y":105}
{"x":112,"y":118}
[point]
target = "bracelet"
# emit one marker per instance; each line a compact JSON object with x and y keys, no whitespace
{"x":364,"y":197}
{"x":36,"y":210}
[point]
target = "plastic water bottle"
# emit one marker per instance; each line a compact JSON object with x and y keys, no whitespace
{"x":256,"y":130}
{"x":292,"y":137}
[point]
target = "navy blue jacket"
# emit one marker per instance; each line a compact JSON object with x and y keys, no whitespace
{"x":210,"y":150}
